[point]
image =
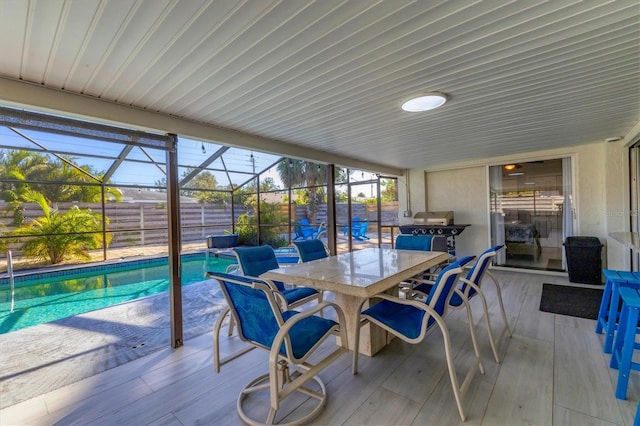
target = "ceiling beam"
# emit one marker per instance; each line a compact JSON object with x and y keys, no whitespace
{"x":33,"y":96}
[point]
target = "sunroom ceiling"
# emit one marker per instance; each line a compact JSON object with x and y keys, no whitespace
{"x":329,"y":75}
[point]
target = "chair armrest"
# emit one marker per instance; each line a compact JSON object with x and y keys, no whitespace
{"x":232,"y":268}
{"x":415,"y":303}
{"x":470,"y":284}
{"x":284,"y":330}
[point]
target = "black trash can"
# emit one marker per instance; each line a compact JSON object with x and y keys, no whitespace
{"x":584,"y":259}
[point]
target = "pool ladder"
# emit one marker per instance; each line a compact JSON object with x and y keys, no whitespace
{"x":10,"y":270}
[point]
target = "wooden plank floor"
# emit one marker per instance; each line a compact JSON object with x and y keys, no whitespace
{"x":553,"y":372}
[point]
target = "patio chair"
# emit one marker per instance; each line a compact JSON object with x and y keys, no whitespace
{"x":421,"y":242}
{"x":410,"y":320}
{"x":358,"y":229}
{"x":469,"y":286}
{"x":319,"y":231}
{"x":290,"y":338}
{"x":304,"y":230}
{"x":255,"y":261}
{"x":310,"y":250}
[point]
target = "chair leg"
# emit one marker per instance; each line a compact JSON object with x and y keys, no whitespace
{"x":473,"y":336}
{"x":612,"y":318}
{"x":603,"y":311}
{"x":628,"y":325}
{"x":232,"y":324}
{"x":451,"y":367}
{"x":504,"y":314}
{"x":217,"y":361}
{"x":216,"y":339}
{"x":487,"y":323}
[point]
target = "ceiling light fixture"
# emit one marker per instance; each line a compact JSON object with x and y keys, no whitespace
{"x":510,"y":166}
{"x":425,"y":102}
{"x":614,"y":139}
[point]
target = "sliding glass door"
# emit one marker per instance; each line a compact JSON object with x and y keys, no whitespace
{"x":532,"y":212}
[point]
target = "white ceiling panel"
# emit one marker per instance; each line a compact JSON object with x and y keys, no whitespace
{"x":330,"y":75}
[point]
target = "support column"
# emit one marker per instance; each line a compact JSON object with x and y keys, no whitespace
{"x":173,"y":212}
{"x":331,"y":209}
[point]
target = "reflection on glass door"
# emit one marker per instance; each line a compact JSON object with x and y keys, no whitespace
{"x":531,"y":213}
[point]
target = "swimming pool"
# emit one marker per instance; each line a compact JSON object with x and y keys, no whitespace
{"x":51,"y":296}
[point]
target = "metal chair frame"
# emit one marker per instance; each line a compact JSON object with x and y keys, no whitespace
{"x":287,"y":373}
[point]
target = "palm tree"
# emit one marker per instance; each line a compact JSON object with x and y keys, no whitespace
{"x":56,"y":236}
{"x":22,"y":170}
{"x":295,"y":173}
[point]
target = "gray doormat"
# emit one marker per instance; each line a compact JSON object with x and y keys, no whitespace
{"x":573,"y":301}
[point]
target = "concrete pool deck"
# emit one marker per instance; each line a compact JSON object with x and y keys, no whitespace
{"x":39,"y":359}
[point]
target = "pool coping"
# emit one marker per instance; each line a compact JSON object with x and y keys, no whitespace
{"x":108,"y":265}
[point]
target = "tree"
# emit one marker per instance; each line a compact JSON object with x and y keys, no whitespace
{"x":58,"y":235}
{"x":56,"y":179}
{"x":390,"y":192}
{"x":202,"y":181}
{"x":268,"y":184}
{"x":295,"y":173}
{"x":270,"y":222}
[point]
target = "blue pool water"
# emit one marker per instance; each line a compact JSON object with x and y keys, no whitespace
{"x":53,"y":296}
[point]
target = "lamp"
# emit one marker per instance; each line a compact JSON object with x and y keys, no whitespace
{"x":424,"y":102}
{"x":512,"y":166}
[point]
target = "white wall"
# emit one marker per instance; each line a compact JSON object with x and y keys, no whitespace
{"x":465,"y":192}
{"x":617,"y":203}
{"x":601,"y":188}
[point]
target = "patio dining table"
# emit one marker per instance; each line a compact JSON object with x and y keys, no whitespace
{"x":358,"y":275}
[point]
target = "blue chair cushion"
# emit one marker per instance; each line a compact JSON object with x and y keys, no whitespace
{"x":254,"y":312}
{"x":311,"y":250}
{"x":440,"y":303}
{"x":414,"y":242}
{"x":405,"y":319}
{"x":258,"y":323}
{"x":255,"y":261}
{"x":305,"y":334}
{"x":297,"y":293}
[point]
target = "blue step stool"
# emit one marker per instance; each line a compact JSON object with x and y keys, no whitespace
{"x":608,"y":314}
{"x":625,"y":341}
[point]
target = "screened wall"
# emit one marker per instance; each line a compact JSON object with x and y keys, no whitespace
{"x":89,"y":194}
